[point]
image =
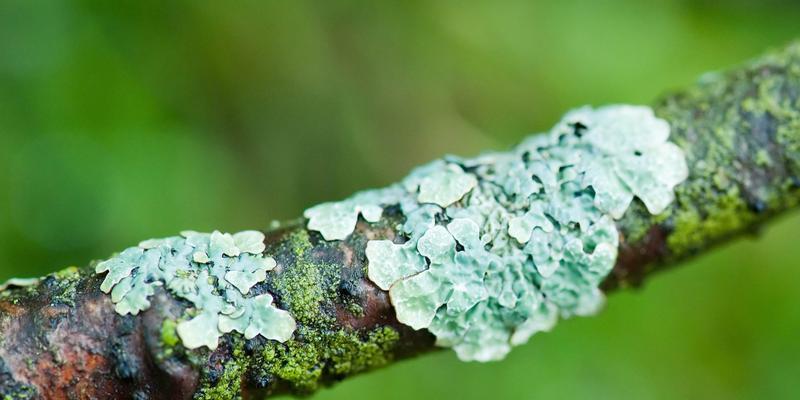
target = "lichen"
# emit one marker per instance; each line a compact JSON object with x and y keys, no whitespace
{"x":494,"y":249}
{"x":18,"y":283}
{"x":392,"y":262}
{"x":336,"y":220}
{"x":214,"y":272}
{"x":444,"y":186}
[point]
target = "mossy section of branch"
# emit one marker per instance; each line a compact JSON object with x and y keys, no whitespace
{"x":740,"y":131}
{"x":344,"y":324}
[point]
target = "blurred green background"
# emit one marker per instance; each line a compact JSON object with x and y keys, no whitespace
{"x":120,"y":121}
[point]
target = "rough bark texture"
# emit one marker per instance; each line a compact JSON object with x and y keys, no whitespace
{"x":61,"y":339}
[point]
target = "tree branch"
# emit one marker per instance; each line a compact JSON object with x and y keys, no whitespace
{"x":61,"y":338}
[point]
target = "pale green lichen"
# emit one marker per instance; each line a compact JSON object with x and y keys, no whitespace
{"x":498,"y":247}
{"x":18,"y":282}
{"x":336,"y":220}
{"x":214,"y":272}
{"x":445,"y":186}
{"x":392,"y":262}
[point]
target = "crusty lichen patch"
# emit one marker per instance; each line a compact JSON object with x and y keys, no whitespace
{"x":214,"y":272}
{"x":496,"y":248}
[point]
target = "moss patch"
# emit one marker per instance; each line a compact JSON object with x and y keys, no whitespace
{"x":307,"y":287}
{"x":741,"y":134}
{"x":333,"y":355}
{"x":693,"y":226}
{"x":227,"y":387}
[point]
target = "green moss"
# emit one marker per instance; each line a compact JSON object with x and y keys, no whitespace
{"x":303,"y":363}
{"x":355,"y":309}
{"x":741,"y":134}
{"x":227,"y":387}
{"x":299,"y":242}
{"x":12,"y":389}
{"x":788,"y":137}
{"x":227,"y":383}
{"x":61,"y":288}
{"x":320,"y":352}
{"x":637,"y":222}
{"x":169,"y":338}
{"x":24,"y":393}
{"x":694,"y":227}
{"x":350,"y":355}
{"x":66,"y":288}
{"x":72,"y":272}
{"x":762,"y":158}
{"x":308,"y":286}
{"x":297,"y":363}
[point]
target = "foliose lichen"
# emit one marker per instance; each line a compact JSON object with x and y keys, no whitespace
{"x":18,"y":282}
{"x":214,"y":272}
{"x":496,"y":248}
{"x":336,"y":220}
